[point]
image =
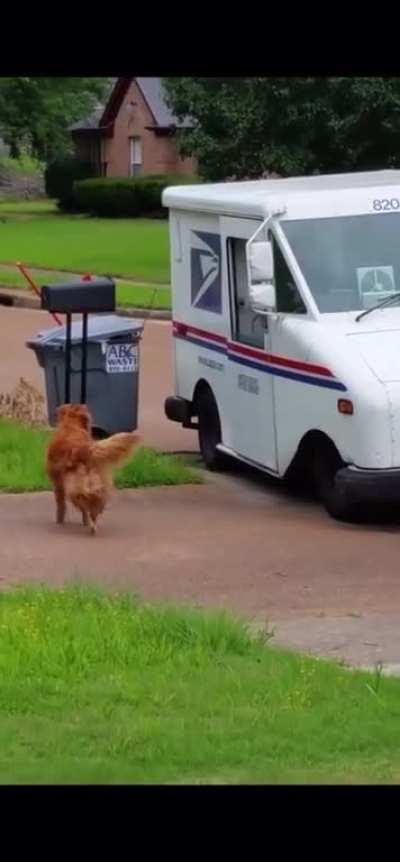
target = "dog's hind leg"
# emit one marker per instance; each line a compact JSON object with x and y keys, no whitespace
{"x":96,"y":508}
{"x":92,"y":524}
{"x":60,"y":504}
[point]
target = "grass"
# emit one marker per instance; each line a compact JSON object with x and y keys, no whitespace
{"x":100,"y":688}
{"x":128,"y":295}
{"x":143,"y":296}
{"x":18,"y":207}
{"x":129,"y":248}
{"x":22,"y":463}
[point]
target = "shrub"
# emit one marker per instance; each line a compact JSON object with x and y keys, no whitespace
{"x":60,"y":176}
{"x":126,"y":197}
{"x":23,"y":165}
{"x":107,"y":197}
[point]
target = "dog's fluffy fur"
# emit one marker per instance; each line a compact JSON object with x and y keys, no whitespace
{"x":79,"y":467}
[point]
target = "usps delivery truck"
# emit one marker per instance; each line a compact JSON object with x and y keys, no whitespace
{"x":286,"y":324}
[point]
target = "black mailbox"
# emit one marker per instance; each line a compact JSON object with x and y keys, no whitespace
{"x":82,"y":296}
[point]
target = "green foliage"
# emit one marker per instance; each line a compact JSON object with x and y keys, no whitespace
{"x":108,"y":197}
{"x":126,"y":197}
{"x":60,"y":176}
{"x":243,"y":127}
{"x":23,"y":165}
{"x":36,"y":112}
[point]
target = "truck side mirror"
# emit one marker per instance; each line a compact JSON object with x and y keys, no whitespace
{"x":261,"y":262}
{"x":261,"y":272}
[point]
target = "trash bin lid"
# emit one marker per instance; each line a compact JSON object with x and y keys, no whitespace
{"x":100,"y":328}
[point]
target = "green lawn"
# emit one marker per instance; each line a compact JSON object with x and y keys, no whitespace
{"x":98,"y":688}
{"x":22,"y":463}
{"x":40,"y":207}
{"x":143,"y":296}
{"x":129,"y":248}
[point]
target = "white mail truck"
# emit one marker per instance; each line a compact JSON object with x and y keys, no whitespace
{"x":286,"y":326}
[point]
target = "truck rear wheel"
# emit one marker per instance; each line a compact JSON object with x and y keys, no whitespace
{"x":209,"y":429}
{"x":326,"y":463}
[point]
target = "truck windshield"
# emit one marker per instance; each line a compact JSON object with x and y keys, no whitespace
{"x":349,"y":262}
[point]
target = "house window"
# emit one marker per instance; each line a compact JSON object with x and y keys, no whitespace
{"x":135,"y":162}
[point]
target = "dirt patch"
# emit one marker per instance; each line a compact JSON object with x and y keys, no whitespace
{"x":24,"y":404}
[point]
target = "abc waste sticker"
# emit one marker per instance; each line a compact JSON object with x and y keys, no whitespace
{"x":121,"y":358}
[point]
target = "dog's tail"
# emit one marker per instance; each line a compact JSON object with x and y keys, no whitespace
{"x":114,"y":450}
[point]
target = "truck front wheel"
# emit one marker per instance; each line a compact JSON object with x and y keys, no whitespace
{"x":326,"y":463}
{"x":209,"y":429}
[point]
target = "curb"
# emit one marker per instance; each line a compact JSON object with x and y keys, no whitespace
{"x":143,"y":313}
{"x":14,"y":298}
{"x":18,"y":299}
{"x":385,"y":669}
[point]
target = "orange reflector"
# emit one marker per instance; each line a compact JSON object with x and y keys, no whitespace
{"x":345,"y":406}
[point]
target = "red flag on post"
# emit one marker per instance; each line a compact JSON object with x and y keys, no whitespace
{"x":36,"y":289}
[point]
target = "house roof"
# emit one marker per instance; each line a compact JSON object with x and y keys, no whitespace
{"x":91,"y":122}
{"x":152,"y":91}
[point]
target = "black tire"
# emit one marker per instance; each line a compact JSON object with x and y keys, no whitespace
{"x":326,"y":463}
{"x":209,"y":429}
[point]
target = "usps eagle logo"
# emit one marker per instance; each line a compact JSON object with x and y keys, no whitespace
{"x":205,"y":269}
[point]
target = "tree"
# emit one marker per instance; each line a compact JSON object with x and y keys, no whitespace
{"x":36,"y":112}
{"x":243,"y":127}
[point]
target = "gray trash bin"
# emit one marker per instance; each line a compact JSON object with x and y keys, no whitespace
{"x":112,"y":369}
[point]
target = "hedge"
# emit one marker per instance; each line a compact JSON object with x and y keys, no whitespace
{"x":59,"y":179}
{"x":127,"y":197}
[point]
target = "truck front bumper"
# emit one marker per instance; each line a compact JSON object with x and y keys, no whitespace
{"x":369,"y":486}
{"x":179,"y":410}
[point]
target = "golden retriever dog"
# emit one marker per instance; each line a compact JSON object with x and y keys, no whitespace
{"x":80,"y":468}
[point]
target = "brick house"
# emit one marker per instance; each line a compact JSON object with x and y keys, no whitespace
{"x":133,"y":133}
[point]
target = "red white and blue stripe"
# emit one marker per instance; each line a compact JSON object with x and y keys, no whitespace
{"x":251,"y":357}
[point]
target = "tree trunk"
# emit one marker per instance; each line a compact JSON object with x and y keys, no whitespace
{"x":15,"y":151}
